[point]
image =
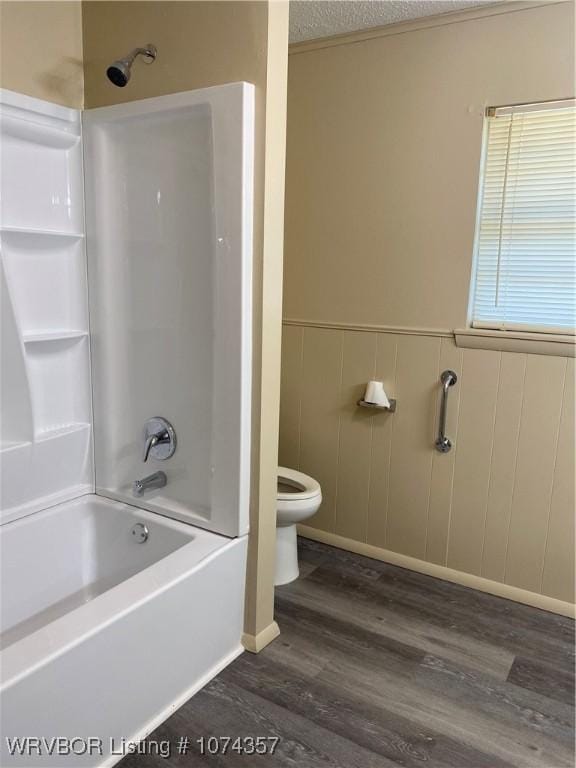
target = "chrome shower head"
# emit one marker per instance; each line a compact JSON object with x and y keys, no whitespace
{"x":119,"y":71}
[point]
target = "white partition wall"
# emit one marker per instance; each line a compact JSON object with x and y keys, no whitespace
{"x":45,"y":449}
{"x":169,"y":238}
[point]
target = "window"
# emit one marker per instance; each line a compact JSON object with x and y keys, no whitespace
{"x":524,"y":277}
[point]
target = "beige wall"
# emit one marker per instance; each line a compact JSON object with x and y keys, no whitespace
{"x":41,"y":50}
{"x":199,"y":44}
{"x":202,"y":44}
{"x":384,"y":139}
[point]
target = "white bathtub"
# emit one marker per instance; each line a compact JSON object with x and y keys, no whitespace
{"x":104,"y":636}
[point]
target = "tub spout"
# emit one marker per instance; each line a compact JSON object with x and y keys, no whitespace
{"x":152,"y":482}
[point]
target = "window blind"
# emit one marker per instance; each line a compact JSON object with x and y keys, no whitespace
{"x":525,"y":276}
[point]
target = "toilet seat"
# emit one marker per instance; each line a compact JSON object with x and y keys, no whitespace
{"x":304,"y":487}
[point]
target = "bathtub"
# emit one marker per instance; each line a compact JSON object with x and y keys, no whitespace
{"x":111,"y":617}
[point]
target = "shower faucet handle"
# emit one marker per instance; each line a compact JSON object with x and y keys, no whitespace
{"x":159,"y":439}
{"x":152,"y":441}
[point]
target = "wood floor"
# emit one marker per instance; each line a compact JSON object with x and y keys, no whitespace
{"x":378,"y":666}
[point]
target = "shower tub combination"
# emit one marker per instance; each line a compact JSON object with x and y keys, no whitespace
{"x":115,"y":608}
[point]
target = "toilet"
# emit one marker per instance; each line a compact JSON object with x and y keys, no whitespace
{"x":299,"y":497}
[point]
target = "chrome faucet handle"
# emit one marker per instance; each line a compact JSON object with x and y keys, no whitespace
{"x":151,"y":441}
{"x":159,"y":439}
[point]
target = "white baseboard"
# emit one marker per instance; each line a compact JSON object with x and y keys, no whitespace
{"x":441,"y":572}
{"x":152,"y":724}
{"x":255,"y":643}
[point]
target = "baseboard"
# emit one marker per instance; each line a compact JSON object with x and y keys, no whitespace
{"x":151,"y":725}
{"x":441,"y":572}
{"x":255,"y":643}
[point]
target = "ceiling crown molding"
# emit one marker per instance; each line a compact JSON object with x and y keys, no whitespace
{"x":424,"y":22}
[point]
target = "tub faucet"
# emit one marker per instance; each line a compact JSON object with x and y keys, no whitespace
{"x":157,"y":480}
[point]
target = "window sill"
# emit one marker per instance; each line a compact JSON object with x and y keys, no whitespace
{"x":516,"y":341}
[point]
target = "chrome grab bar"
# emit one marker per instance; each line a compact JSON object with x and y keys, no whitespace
{"x":443,"y":443}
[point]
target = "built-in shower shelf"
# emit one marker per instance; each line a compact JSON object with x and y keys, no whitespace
{"x":67,"y":429}
{"x":47,"y":336}
{"x":27,"y":232}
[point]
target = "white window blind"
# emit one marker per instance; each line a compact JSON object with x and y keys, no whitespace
{"x":525,"y":276}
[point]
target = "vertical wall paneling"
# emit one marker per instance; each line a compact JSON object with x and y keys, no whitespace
{"x":537,"y":447}
{"x":383,"y":429}
{"x":321,"y":379}
{"x":479,"y":385}
{"x":503,"y":464}
{"x":500,"y":505}
{"x":558,"y":573}
{"x":442,"y":479}
{"x":411,"y":458}
{"x":290,"y":396}
{"x":356,"y":425}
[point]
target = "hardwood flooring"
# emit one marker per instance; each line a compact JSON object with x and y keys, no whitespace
{"x":377,"y":666}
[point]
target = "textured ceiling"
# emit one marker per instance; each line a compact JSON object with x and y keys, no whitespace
{"x":310,"y":19}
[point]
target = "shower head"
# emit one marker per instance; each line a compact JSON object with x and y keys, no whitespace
{"x":119,"y":71}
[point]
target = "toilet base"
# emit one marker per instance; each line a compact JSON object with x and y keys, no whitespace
{"x":286,"y":555}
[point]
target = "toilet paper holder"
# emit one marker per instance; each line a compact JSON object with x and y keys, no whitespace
{"x":391,"y":408}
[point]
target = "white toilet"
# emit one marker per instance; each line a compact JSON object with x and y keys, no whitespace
{"x":299,"y":497}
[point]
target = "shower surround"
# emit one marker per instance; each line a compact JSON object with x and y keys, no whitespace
{"x":140,"y":599}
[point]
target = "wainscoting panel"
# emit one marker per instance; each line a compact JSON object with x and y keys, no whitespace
{"x":537,"y":452}
{"x":503,"y":465}
{"x":355,"y":438}
{"x":290,"y":387}
{"x":382,"y":430}
{"x":499,"y":506}
{"x":472,"y":456}
{"x":558,"y":576}
{"x":320,"y":411}
{"x":412,"y":440}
